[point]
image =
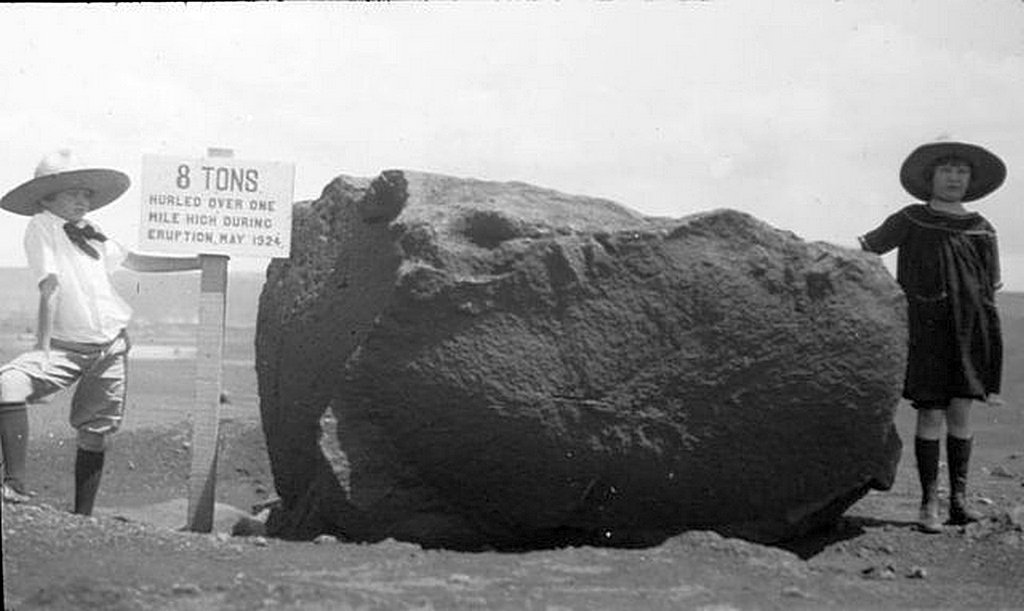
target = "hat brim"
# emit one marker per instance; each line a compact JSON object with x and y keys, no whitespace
{"x":105,"y":186}
{"x":987,"y":171}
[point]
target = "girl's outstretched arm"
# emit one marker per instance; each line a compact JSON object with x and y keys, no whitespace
{"x":158,"y":263}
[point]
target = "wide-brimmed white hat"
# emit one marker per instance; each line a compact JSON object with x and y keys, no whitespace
{"x":987,"y":171}
{"x":60,"y":171}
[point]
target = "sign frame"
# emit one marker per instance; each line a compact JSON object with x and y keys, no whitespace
{"x":216,"y":205}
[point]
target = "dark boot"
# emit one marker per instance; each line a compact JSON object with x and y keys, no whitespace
{"x":958,"y":454}
{"x":926,"y":451}
{"x":14,"y":439}
{"x":88,"y":470}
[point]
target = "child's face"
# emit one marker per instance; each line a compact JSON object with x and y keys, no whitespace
{"x":70,"y":205}
{"x":950,"y":182}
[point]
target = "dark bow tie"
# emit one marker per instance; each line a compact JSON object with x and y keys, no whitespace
{"x":80,"y":236}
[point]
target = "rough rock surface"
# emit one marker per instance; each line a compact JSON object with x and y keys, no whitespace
{"x":464,"y":363}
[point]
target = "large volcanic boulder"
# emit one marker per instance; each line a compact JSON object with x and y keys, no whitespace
{"x":467,"y":363}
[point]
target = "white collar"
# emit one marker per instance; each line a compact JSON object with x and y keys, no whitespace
{"x":53,"y":219}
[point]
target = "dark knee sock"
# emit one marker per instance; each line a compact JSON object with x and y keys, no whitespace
{"x":958,"y":455}
{"x":926,"y":451}
{"x":88,"y":470}
{"x":14,"y":439}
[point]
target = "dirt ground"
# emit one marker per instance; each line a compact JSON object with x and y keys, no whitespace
{"x":874,"y":558}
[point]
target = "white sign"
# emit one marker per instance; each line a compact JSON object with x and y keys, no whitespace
{"x":217,"y":206}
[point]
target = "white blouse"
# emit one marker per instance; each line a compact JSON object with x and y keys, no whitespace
{"x":88,"y":309}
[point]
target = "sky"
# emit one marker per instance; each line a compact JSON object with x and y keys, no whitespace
{"x":798,"y":112}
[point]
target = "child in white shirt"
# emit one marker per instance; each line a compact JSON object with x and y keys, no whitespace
{"x":81,"y":336}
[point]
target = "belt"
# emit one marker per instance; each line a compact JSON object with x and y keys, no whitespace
{"x":87,"y":346}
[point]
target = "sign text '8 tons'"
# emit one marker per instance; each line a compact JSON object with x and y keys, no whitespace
{"x":216,"y":206}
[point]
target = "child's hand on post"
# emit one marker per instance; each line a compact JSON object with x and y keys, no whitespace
{"x":994,"y":400}
{"x":140,"y":262}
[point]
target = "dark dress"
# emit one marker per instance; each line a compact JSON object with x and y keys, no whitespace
{"x":948,"y":267}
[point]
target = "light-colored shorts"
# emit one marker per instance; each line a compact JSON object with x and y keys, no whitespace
{"x":101,"y":370}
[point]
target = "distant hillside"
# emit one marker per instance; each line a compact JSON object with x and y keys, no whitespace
{"x":155,"y":298}
{"x":1011,"y":305}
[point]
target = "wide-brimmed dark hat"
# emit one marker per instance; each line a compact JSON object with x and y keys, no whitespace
{"x":987,"y":171}
{"x":60,"y":171}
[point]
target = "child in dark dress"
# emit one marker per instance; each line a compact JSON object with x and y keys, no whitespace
{"x":948,"y":267}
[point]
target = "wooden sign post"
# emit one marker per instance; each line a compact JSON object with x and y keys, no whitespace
{"x":202,"y":482}
{"x":202,"y":478}
{"x":214,"y":207}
